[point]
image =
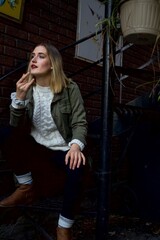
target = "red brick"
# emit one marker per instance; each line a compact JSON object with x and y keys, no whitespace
{"x":34,"y":38}
{"x":6,"y":60}
{"x":15,"y":52}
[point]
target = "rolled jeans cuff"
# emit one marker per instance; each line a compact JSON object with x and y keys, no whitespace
{"x":65,"y":222}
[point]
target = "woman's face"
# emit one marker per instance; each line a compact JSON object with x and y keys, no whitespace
{"x":40,"y":64}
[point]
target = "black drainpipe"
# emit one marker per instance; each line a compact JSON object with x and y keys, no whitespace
{"x":102,"y":220}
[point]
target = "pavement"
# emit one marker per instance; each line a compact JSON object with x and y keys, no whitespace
{"x":133,"y":228}
{"x":18,"y":226}
{"x":29,"y":223}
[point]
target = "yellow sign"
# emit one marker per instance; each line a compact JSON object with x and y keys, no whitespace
{"x":12,"y":9}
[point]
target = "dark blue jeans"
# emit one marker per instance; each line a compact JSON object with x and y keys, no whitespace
{"x":24,"y":154}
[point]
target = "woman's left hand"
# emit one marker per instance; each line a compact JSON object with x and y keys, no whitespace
{"x":75,"y":157}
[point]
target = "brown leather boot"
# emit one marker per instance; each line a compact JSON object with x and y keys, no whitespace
{"x":64,"y":233}
{"x":23,"y":195}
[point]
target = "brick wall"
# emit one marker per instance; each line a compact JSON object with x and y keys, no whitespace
{"x":53,"y":21}
{"x":56,"y":21}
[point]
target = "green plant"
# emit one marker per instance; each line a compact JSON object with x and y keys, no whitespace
{"x":111,"y":24}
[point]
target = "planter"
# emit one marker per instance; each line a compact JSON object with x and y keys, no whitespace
{"x":140,"y":20}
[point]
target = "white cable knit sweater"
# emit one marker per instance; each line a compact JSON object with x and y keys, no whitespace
{"x":44,"y":129}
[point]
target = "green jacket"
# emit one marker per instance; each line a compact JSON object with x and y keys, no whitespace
{"x":67,"y":110}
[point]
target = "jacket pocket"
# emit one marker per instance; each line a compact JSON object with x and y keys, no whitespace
{"x":65,"y":107}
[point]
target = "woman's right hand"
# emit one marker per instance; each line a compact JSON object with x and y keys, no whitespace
{"x":22,"y":86}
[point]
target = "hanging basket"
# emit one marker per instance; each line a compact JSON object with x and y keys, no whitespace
{"x":140,"y":20}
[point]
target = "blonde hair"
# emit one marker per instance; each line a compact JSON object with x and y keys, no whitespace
{"x":58,"y":78}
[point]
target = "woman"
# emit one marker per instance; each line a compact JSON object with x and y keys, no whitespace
{"x":49,"y":124}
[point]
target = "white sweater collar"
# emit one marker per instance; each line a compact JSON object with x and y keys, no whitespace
{"x":42,"y":89}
